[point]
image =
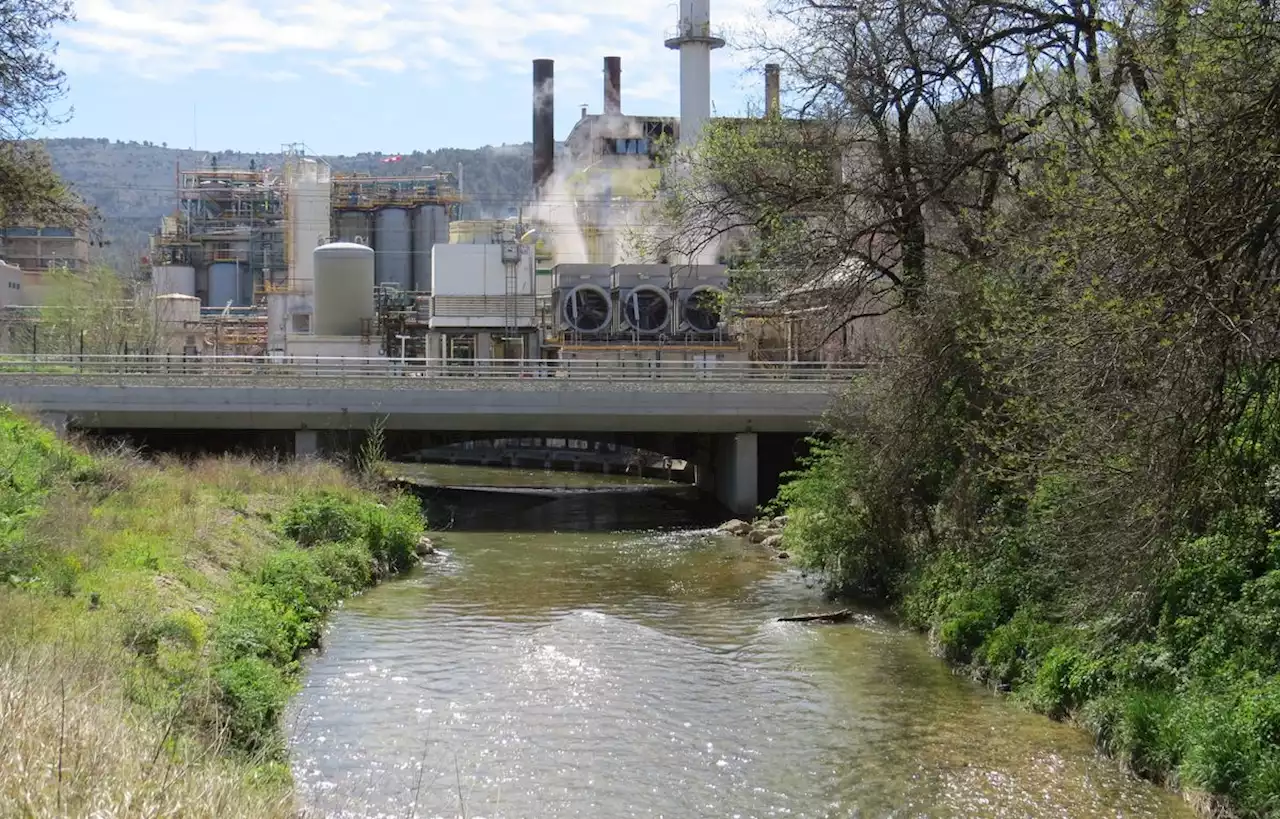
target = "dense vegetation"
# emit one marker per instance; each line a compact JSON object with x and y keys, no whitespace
{"x":1067,"y":467}
{"x":152,"y":616}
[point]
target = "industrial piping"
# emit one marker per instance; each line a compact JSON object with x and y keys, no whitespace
{"x":772,"y":92}
{"x":613,"y":86}
{"x":544,"y":123}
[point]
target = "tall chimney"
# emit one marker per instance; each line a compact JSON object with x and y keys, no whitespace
{"x":613,"y":86}
{"x":772,"y":93}
{"x":695,"y":41}
{"x":544,"y":122}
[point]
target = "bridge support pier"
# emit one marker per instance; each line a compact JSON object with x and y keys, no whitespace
{"x":737,"y":472}
{"x":306,"y":443}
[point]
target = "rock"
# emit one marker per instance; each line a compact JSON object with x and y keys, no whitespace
{"x":783,"y":556}
{"x":738,"y":528}
{"x":425,"y":547}
{"x":759,"y":535}
{"x":780,"y":521}
{"x":772,"y":542}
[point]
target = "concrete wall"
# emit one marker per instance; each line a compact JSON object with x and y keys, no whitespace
{"x":11,"y":284}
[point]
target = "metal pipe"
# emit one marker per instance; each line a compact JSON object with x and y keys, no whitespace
{"x":613,"y":86}
{"x":772,"y":90}
{"x":544,"y":122}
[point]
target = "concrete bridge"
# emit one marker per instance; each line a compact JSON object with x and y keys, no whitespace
{"x":712,"y":417}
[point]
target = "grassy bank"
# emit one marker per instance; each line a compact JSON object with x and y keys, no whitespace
{"x":1179,"y":680}
{"x":152,"y":616}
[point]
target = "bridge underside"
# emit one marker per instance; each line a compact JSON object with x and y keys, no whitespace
{"x":741,"y":470}
{"x":738,"y":436}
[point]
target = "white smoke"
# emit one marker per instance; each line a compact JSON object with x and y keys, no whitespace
{"x":585,"y":219}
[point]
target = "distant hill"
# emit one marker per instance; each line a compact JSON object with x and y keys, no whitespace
{"x":133,"y":184}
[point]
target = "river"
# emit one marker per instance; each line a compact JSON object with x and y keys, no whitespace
{"x":597,"y":650}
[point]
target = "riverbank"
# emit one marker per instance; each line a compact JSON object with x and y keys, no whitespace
{"x":152,"y":615}
{"x":1181,"y":685}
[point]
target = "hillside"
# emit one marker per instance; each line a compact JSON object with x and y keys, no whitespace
{"x":133,"y":183}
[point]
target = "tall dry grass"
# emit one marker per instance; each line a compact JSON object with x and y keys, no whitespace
{"x":72,"y":745}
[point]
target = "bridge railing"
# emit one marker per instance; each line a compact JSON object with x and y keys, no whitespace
{"x":276,"y":367}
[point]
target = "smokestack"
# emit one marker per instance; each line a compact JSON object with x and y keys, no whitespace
{"x":544,"y":122}
{"x":772,"y":93}
{"x":695,"y":41}
{"x":613,"y":86}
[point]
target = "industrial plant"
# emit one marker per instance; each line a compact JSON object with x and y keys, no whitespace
{"x":300,"y":261}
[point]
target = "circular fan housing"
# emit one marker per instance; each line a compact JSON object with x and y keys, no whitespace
{"x":647,"y":309}
{"x":586,"y":309}
{"x":701,"y":309}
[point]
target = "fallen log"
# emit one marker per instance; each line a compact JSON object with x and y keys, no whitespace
{"x":823,"y":617}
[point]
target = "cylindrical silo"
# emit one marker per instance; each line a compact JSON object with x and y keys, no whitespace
{"x":474,"y":232}
{"x":354,"y":226}
{"x":344,"y":288}
{"x":224,"y":284}
{"x":393,"y":242}
{"x":430,"y":227}
{"x":173,"y":278}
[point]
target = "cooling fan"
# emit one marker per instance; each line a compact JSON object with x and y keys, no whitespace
{"x":702,"y":310}
{"x":587,"y":310}
{"x":647,"y":310}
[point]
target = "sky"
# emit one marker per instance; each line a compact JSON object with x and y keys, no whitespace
{"x":348,"y":76}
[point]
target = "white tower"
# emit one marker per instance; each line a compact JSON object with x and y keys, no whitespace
{"x":694,"y":40}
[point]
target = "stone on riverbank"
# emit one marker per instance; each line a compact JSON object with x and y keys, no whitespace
{"x":735,"y":527}
{"x":772,"y":542}
{"x":425,"y":547}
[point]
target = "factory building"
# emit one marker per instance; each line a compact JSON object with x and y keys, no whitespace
{"x":302,"y":262}
{"x":227,"y":243}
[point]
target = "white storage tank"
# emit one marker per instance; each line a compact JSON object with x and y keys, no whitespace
{"x":177,"y":310}
{"x":173,"y":278}
{"x":343,"y":289}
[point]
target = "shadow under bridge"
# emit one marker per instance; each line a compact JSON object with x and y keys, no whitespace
{"x":741,"y":470}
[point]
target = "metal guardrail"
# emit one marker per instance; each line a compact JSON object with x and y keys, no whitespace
{"x":273,"y":368}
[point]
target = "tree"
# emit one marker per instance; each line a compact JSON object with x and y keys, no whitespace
{"x":912,"y":116}
{"x":96,"y":312}
{"x":30,"y":83}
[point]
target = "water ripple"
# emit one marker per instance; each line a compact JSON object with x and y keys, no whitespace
{"x":643,"y":675}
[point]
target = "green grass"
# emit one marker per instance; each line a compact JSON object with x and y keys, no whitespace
{"x":164,"y":608}
{"x":1193,"y":703}
{"x":1180,"y":682}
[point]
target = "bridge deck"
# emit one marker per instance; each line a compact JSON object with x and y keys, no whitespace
{"x":225,"y":393}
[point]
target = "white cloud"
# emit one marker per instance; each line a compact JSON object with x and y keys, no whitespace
{"x":442,"y":39}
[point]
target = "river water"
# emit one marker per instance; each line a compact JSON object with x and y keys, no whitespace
{"x":597,"y":650}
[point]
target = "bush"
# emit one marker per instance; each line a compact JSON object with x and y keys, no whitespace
{"x":344,"y":545}
{"x":389,"y":532}
{"x":254,"y":694}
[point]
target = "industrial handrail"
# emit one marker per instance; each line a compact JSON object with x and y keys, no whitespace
{"x":272,"y":367}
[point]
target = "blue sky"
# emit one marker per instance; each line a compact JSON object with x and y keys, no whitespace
{"x":344,"y":76}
